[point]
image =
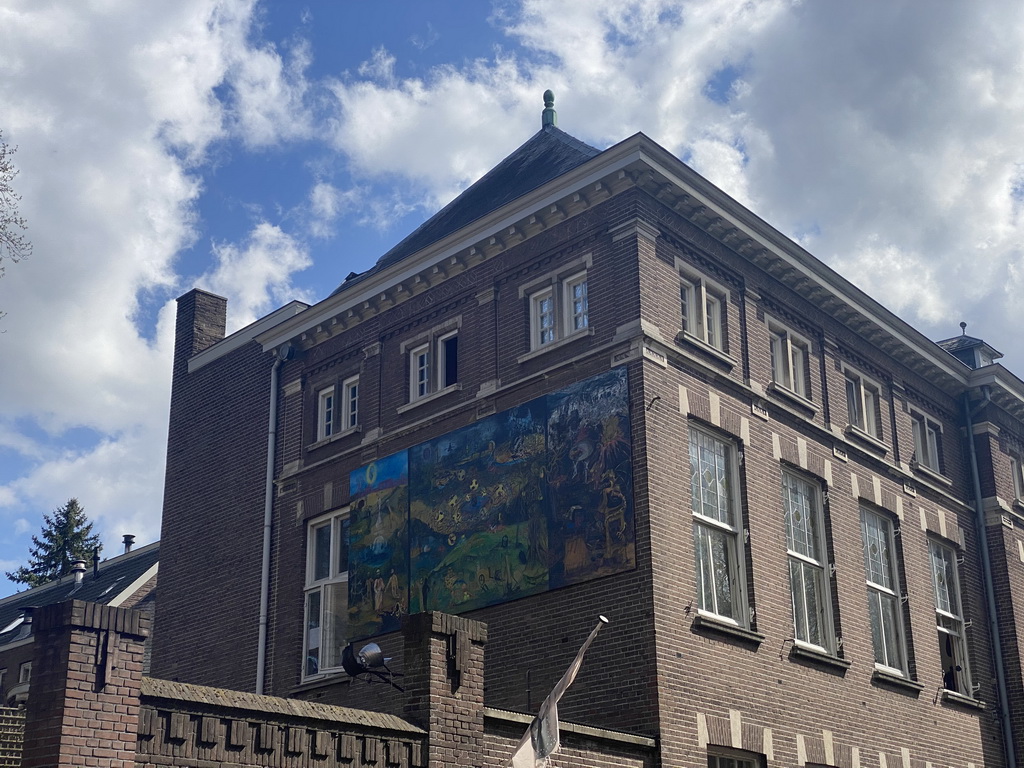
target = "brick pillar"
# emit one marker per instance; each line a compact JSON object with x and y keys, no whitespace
{"x":200,"y":323}
{"x":444,"y":683}
{"x":83,"y":704}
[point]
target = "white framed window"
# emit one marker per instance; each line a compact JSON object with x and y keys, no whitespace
{"x":717,"y":527}
{"x":862,"y":404}
{"x":1017,"y":470}
{"x":326,"y":594}
{"x":326,"y":411}
{"x":927,"y":442}
{"x":434,"y":365}
{"x":949,"y":619}
{"x":790,"y":356}
{"x":559,"y":310}
{"x":703,"y":304}
{"x":350,"y":402}
{"x":808,"y":562}
{"x":884,"y":598}
{"x":25,"y":672}
{"x":3,"y":677}
{"x":731,"y":758}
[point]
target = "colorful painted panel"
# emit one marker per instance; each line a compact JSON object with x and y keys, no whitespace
{"x":590,"y":480}
{"x":478,"y":515}
{"x":529,"y":499}
{"x":378,"y":581}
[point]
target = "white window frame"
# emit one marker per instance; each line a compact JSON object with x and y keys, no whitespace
{"x":949,"y":618}
{"x":350,"y":403}
{"x":326,"y":405}
{"x":428,"y":361}
{"x":720,"y":757}
{"x":790,"y":359}
{"x":322,"y":639}
{"x":24,"y":672}
{"x":703,"y":307}
{"x":717,"y":520}
{"x":809,"y":566}
{"x":883,"y":589}
{"x":863,"y":403}
{"x":556,"y":312}
{"x":1017,"y":470}
{"x":927,"y":441}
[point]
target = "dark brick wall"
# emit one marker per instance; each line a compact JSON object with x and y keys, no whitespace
{"x":212,"y":527}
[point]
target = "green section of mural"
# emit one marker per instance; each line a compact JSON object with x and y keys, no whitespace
{"x":378,"y":582}
{"x":526,"y":500}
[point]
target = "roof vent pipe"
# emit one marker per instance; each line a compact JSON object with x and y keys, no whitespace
{"x":96,"y":562}
{"x":78,"y":568}
{"x":128,"y":540}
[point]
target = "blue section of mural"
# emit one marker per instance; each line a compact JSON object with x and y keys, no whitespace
{"x":529,"y":499}
{"x":378,"y":581}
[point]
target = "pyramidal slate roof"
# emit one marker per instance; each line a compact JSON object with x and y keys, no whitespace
{"x":546,"y":155}
{"x":114,"y":577}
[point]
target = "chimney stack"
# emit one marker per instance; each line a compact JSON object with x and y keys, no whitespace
{"x":128,"y":539}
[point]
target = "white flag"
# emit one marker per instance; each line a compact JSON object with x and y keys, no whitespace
{"x":541,"y":738}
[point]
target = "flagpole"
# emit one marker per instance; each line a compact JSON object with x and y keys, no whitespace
{"x":541,"y":738}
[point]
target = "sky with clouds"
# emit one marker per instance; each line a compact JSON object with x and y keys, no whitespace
{"x":264,"y":149}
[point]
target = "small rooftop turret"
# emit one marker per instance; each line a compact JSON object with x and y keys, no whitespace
{"x":970,"y":351}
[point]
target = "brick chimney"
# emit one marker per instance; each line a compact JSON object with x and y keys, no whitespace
{"x":444,"y":684}
{"x":83,"y":703}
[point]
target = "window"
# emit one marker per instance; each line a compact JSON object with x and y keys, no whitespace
{"x":789,"y":360}
{"x":808,"y":577}
{"x":559,"y":310}
{"x":1017,"y":468}
{"x":716,"y":528}
{"x":25,"y":672}
{"x":949,"y":619}
{"x":325,"y":412}
{"x":333,"y":416}
{"x":883,"y":596}
{"x":731,"y":759}
{"x":326,"y":593}
{"x":862,"y":404}
{"x":703,"y":308}
{"x":434,"y":365}
{"x":927,"y":439}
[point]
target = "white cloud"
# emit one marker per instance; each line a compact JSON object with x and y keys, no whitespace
{"x":256,"y":277}
{"x":326,"y":204}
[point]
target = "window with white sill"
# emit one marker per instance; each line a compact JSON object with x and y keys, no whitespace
{"x":717,"y":529}
{"x":703,"y":304}
{"x":862,"y":404}
{"x":790,"y":355}
{"x":434,"y":365}
{"x":326,"y":593}
{"x":883,"y":588}
{"x":927,"y":442}
{"x":25,"y":672}
{"x":949,"y":619}
{"x":337,"y":408}
{"x":808,"y":562}
{"x":1017,"y":471}
{"x":559,"y":310}
{"x":720,"y":757}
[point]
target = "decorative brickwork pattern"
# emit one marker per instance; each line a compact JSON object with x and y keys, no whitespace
{"x":12,"y":736}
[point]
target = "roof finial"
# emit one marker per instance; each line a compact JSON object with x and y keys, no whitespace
{"x":963,"y":327}
{"x":549,"y":116}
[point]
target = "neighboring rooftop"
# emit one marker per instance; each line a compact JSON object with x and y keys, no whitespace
{"x":546,"y":155}
{"x":115,"y":582}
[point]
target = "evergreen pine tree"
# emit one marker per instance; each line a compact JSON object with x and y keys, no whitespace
{"x":66,"y":536}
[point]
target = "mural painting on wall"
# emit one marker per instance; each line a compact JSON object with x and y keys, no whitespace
{"x":529,"y":499}
{"x":378,"y":587}
{"x":590,"y":480}
{"x":478,"y":530}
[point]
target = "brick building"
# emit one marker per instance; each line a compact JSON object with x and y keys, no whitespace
{"x":594,"y":383}
{"x":127,"y":580}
